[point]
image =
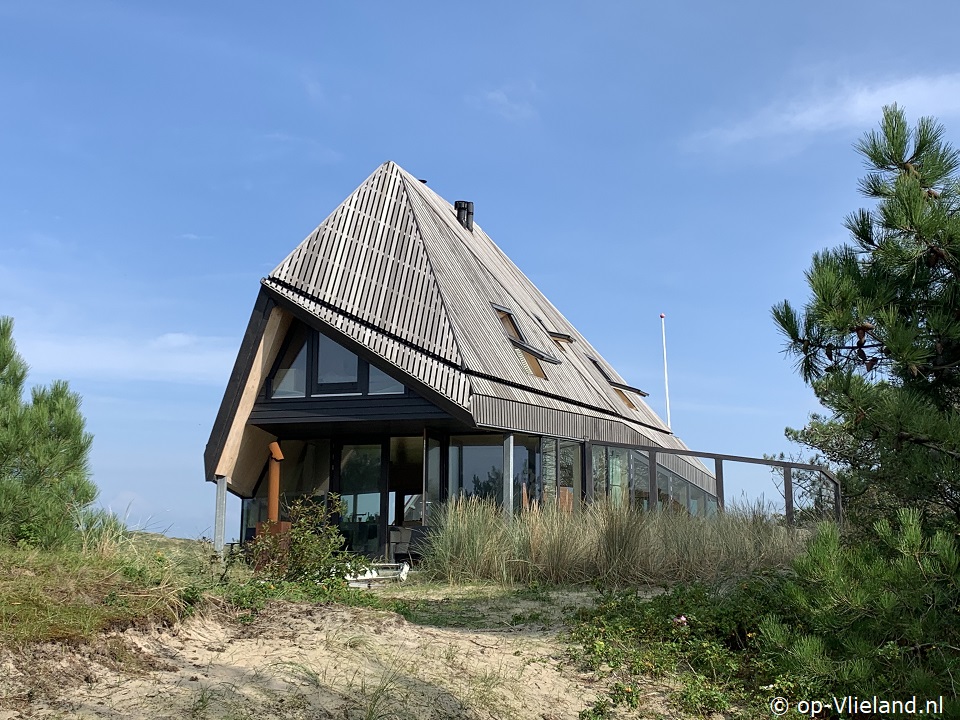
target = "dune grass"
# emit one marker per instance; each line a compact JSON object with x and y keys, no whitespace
{"x":110,"y":579}
{"x":605,"y":545}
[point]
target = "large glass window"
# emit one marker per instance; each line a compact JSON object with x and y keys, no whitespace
{"x":618,"y":462}
{"x":549,"y":469}
{"x":698,"y":500}
{"x":290,"y":378}
{"x":476,"y":465}
{"x":680,"y":491}
{"x":433,"y":481}
{"x":599,"y":472}
{"x":641,"y":479}
{"x":527,"y":490}
{"x":570,"y":475}
{"x":360,"y":493}
{"x":383,"y":384}
{"x":338,"y":369}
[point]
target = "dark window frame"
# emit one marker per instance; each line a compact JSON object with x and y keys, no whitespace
{"x":318,"y":390}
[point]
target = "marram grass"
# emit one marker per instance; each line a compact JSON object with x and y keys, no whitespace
{"x":602,"y":544}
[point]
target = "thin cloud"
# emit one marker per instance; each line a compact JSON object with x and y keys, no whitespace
{"x":513,"y":102}
{"x":848,"y":105}
{"x":172,"y":357}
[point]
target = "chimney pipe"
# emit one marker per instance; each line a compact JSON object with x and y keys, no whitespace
{"x":464,"y":213}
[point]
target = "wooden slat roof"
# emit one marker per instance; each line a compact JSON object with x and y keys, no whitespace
{"x":392,"y":269}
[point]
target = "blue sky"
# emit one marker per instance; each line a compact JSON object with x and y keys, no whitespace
{"x":158,"y":159}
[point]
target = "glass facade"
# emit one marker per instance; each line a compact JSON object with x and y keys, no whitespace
{"x":423,"y":473}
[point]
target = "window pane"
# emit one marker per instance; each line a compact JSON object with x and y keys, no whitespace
{"x":568,"y":475}
{"x":599,"y":472}
{"x":509,"y":326}
{"x":383,"y":384}
{"x":476,"y":463}
{"x":619,"y":476}
{"x":549,"y":469}
{"x":527,"y":490}
{"x":641,"y":479}
{"x":335,"y":363}
{"x":697,"y":501}
{"x":291,"y":377}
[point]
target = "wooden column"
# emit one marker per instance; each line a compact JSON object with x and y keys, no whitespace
{"x":273,"y":482}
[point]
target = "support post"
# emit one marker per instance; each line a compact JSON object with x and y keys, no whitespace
{"x":508,"y":475}
{"x":220,"y":515}
{"x":788,"y":493}
{"x":587,"y":491}
{"x":654,"y":495}
{"x":718,"y":473}
{"x":273,"y":483}
{"x":837,"y":509}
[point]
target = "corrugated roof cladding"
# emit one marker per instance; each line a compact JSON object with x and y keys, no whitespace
{"x":392,"y":269}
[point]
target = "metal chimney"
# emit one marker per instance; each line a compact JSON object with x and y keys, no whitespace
{"x":464,"y":210}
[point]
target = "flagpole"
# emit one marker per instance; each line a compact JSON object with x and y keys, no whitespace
{"x":666,"y":382}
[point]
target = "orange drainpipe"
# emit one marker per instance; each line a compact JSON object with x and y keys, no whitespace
{"x":273,"y":482}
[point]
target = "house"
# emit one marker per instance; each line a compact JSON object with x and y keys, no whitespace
{"x":398,"y":358}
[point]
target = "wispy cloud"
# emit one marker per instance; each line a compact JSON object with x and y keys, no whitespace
{"x":513,"y":101}
{"x":171,"y":357}
{"x":848,"y":104}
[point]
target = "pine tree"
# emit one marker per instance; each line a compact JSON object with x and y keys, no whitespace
{"x":44,"y":452}
{"x":879,"y":338}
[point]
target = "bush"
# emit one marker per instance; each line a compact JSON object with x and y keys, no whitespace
{"x":310,"y":552}
{"x":869,"y":618}
{"x":858,"y":619}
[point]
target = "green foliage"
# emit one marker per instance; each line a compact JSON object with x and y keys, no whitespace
{"x":604,"y":544}
{"x":702,"y":636}
{"x":45,"y":487}
{"x":869,"y":618}
{"x":864,"y":618}
{"x":310,"y":552}
{"x":879,"y":338}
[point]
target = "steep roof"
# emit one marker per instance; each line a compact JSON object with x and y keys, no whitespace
{"x":392,"y":269}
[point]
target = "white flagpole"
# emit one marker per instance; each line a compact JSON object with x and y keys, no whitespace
{"x":666,"y":382}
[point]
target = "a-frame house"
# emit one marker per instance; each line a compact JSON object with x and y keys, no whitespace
{"x":399,"y":358}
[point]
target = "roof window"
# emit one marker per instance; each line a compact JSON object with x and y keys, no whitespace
{"x":528,"y":355}
{"x":621,"y":389}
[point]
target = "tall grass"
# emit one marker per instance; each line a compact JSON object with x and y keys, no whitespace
{"x":611,"y":546}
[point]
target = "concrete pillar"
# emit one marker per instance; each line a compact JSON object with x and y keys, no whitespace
{"x":220,"y":515}
{"x":508,"y":475}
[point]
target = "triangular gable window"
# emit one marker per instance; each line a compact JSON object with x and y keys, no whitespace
{"x":313,"y":365}
{"x":290,"y":378}
{"x":383,"y":384}
{"x":338,"y":369}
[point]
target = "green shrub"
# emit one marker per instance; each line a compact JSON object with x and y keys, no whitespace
{"x":310,"y":552}
{"x":870,"y":618}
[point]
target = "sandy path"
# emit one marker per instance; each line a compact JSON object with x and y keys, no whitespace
{"x":300,"y":661}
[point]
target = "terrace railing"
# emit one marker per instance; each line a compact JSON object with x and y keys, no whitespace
{"x":787,"y":467}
